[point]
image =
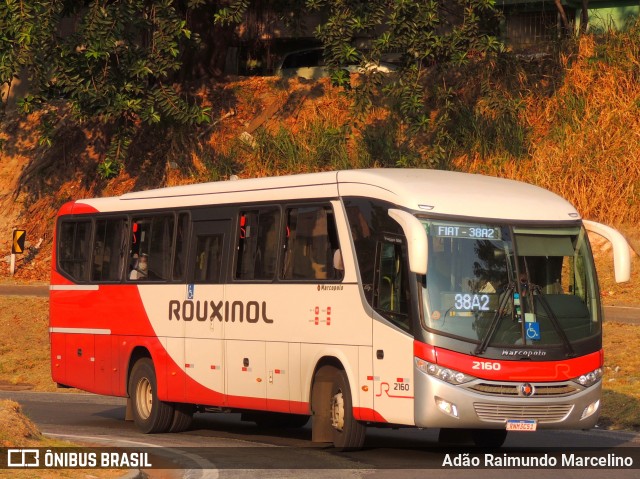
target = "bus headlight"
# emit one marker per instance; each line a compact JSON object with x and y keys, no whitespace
{"x":446,"y":374}
{"x":590,"y":409}
{"x":590,"y":378}
{"x":446,"y":406}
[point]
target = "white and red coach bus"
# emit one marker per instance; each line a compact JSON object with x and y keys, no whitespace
{"x":357,"y":298}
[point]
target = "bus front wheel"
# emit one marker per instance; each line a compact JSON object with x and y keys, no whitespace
{"x":149,"y":413}
{"x":332,"y":406}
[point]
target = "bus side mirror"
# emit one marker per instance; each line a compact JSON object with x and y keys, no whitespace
{"x":417,"y":244}
{"x":621,"y":255}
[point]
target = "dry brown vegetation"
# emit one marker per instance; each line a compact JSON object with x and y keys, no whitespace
{"x":17,"y":430}
{"x":585,"y":136}
{"x":579,"y":126}
{"x":621,"y":398}
{"x":24,"y":356}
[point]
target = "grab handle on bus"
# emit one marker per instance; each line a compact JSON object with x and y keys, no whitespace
{"x":416,"y":239}
{"x":621,"y":254}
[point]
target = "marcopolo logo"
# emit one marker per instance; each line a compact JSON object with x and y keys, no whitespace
{"x":227,"y":311}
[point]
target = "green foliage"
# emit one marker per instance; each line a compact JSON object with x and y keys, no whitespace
{"x":381,"y":146}
{"x":47,"y":129}
{"x":491,"y":125}
{"x":232,"y":13}
{"x":116,"y":153}
{"x":116,"y":66}
{"x":428,"y":40}
{"x":317,"y":147}
{"x":121,"y":61}
{"x":26,"y":33}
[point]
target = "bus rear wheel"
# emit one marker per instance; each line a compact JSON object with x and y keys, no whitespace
{"x":182,"y":417}
{"x":149,"y":413}
{"x":332,"y":406}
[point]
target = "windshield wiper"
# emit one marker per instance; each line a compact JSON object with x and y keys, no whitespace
{"x":508,"y":293}
{"x":554,"y":320}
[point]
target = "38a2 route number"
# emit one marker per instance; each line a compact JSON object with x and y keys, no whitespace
{"x":471,"y":302}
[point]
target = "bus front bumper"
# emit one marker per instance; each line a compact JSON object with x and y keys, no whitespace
{"x":444,"y":405}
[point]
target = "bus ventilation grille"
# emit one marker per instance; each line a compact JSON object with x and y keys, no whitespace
{"x":542,"y":413}
{"x":555,"y":390}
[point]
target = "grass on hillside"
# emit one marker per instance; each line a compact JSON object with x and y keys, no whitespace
{"x":24,"y":358}
{"x":16,"y":430}
{"x":583,"y":140}
{"x":24,"y":343}
{"x":568,"y":122}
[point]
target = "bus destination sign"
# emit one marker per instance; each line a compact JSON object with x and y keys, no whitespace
{"x":466,"y":231}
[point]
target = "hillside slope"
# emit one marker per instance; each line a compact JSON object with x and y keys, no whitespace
{"x":582,"y":135}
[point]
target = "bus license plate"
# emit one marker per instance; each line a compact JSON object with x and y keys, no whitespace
{"x":521,"y":425}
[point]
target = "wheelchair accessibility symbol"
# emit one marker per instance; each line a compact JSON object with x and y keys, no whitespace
{"x":533,"y":331}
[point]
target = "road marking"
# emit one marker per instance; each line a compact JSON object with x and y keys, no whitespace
{"x":206,"y":469}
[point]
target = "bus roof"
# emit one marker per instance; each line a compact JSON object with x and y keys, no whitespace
{"x":429,"y":191}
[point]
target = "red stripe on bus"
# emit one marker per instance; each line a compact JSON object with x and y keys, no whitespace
{"x":367,"y":414}
{"x":530,"y":371}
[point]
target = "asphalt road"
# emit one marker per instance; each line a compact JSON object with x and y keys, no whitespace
{"x":221,"y":446}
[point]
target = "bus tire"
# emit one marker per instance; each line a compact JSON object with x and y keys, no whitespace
{"x":490,"y":438}
{"x":149,"y":413}
{"x":182,"y":417}
{"x":332,"y":406}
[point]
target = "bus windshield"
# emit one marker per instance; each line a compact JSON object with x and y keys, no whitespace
{"x":501,"y":286}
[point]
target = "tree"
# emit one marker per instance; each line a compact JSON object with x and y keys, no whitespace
{"x":563,"y":15}
{"x":26,"y":31}
{"x":122,"y":61}
{"x":584,"y":16}
{"x":426,"y":37}
{"x":116,"y":66}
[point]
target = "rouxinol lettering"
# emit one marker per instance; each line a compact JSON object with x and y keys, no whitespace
{"x":251,"y":312}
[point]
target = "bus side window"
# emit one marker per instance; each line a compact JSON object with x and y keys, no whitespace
{"x":152,"y":237}
{"x":208,"y":258}
{"x":257,"y":244}
{"x":310,"y":245}
{"x":392,"y":288}
{"x":73,"y":249}
{"x":108,"y":250}
{"x":182,"y":245}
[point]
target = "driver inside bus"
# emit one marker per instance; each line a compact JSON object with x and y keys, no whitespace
{"x":140,"y":270}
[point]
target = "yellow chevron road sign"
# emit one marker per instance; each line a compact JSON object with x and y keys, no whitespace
{"x":17,"y":246}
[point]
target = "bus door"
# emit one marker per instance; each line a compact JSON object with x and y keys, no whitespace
{"x":205,"y":308}
{"x":252,"y":299}
{"x":392,"y":333}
